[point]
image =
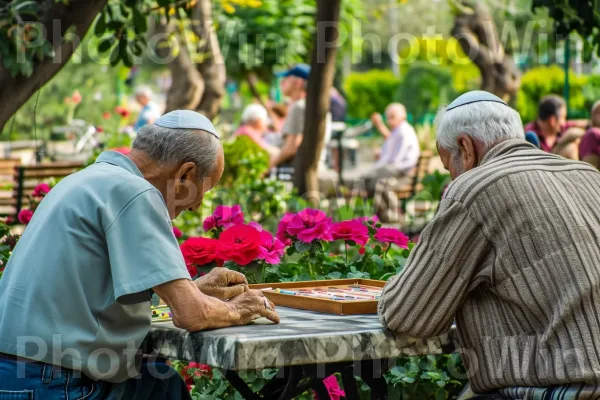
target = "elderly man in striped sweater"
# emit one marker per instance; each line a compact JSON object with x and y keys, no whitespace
{"x":512,"y":256}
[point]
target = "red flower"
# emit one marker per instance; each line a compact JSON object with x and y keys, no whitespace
{"x":350,"y":230}
{"x":271,"y":249}
{"x":240,"y":244}
{"x":310,"y":224}
{"x":99,"y":129}
{"x":391,"y":235}
{"x":106,"y":115}
{"x":9,"y":220}
{"x":25,"y":216}
{"x":224,"y":217}
{"x":122,"y":111}
{"x":41,"y":190}
{"x":361,"y":250}
{"x":199,"y":251}
{"x":177,"y":232}
{"x":282,"y":234}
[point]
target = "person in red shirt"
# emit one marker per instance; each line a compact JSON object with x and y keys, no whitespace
{"x":552,"y":122}
{"x":589,"y":147}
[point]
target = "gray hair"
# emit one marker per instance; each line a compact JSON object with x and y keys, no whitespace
{"x":485,"y":121}
{"x":177,"y":146}
{"x":143,"y":91}
{"x":254,"y":112}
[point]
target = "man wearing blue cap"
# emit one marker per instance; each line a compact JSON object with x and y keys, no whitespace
{"x":511,"y":256}
{"x":293,"y":86}
{"x":75,"y":295}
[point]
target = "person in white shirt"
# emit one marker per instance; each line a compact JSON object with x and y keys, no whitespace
{"x":400,"y":151}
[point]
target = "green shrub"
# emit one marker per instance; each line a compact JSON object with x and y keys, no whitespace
{"x":541,"y":81}
{"x":425,"y":88}
{"x":445,"y":53}
{"x":369,"y":92}
{"x":245,"y":162}
{"x":591,"y":91}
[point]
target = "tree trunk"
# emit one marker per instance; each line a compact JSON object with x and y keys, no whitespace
{"x":57,"y":17}
{"x":476,"y":32}
{"x":323,"y":62}
{"x":212,"y":68}
{"x":187,"y":84}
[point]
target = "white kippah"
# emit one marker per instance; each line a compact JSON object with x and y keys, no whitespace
{"x":186,"y":119}
{"x":474,"y":96}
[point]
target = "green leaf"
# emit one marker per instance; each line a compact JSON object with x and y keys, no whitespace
{"x":105,"y":45}
{"x":115,"y":56}
{"x":269,"y":373}
{"x":139,"y":22}
{"x":100,"y":27}
{"x":302,"y":247}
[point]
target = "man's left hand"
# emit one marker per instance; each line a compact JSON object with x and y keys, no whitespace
{"x":222,"y":283}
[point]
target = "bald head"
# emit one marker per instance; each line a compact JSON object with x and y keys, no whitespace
{"x":395,"y":114}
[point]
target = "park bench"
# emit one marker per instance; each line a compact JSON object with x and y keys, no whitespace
{"x":7,"y":183}
{"x":26,"y":177}
{"x":409,"y":191}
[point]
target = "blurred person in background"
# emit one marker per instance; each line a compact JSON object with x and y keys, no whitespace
{"x":551,"y":124}
{"x":149,"y":112}
{"x":400,"y":151}
{"x":293,"y":86}
{"x":589,"y":147}
{"x":255,"y":123}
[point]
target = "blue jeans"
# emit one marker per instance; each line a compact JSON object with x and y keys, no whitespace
{"x":37,"y":381}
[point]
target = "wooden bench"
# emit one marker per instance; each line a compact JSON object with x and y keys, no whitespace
{"x":27,"y":177}
{"x":7,"y":200}
{"x":422,"y":169}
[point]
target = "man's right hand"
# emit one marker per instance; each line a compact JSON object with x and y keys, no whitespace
{"x":377,"y":119}
{"x":251,"y":305}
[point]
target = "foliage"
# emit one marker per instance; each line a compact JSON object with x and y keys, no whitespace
{"x":261,"y":36}
{"x":8,"y":242}
{"x":18,"y":33}
{"x":433,"y":185}
{"x":445,"y":53}
{"x":425,"y":87}
{"x":579,"y":16}
{"x":427,"y":377}
{"x":541,"y":81}
{"x":245,"y":163}
{"x":369,"y":92}
{"x":591,"y":91}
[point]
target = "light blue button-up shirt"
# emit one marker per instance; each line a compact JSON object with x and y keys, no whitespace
{"x":75,"y":292}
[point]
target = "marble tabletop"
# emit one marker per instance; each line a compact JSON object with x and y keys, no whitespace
{"x":302,"y":337}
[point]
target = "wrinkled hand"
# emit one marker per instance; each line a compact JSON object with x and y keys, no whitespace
{"x":222,"y":283}
{"x":377,"y":119}
{"x":250,"y":305}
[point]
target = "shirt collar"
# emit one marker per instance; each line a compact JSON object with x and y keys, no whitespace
{"x":119,"y":160}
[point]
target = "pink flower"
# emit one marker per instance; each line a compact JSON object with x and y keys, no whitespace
{"x":256,"y":225}
{"x":350,"y":230}
{"x":25,"y":216}
{"x":310,"y":224}
{"x":282,"y":234}
{"x":224,"y":217}
{"x":372,"y":221}
{"x":333,"y":388}
{"x":177,"y":232}
{"x":391,"y":235}
{"x":41,"y":190}
{"x":270,"y":249}
{"x":76,"y":97}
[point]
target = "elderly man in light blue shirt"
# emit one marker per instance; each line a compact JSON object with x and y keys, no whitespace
{"x":75,"y":296}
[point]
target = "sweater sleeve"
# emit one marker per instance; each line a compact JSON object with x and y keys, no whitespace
{"x":422,"y":300}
